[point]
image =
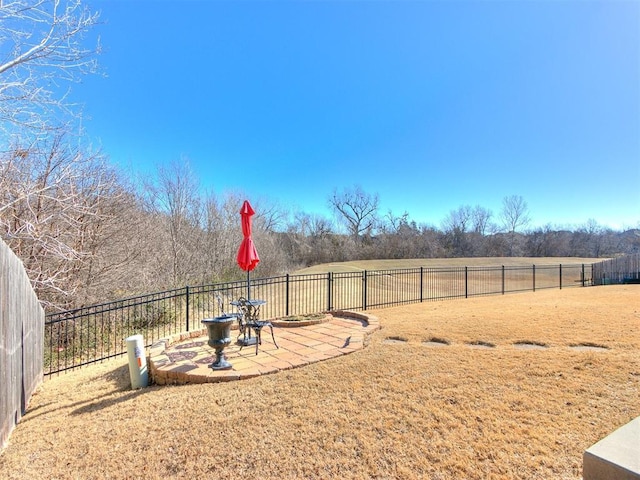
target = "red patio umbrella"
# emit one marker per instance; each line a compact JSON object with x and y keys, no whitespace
{"x":247,"y":254}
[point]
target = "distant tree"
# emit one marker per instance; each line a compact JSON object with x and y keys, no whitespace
{"x":455,"y":227}
{"x":319,"y":240}
{"x":356,"y":209}
{"x":399,"y":237}
{"x":593,"y":240}
{"x":430,"y":243}
{"x":320,"y":226}
{"x":268,"y":223}
{"x":481,"y":220}
{"x":270,"y":215}
{"x":174,"y":194}
{"x":458,"y":220}
{"x":42,"y":48}
{"x":514,"y":215}
{"x":546,"y":242}
{"x":221,"y":237}
{"x":392,"y":223}
{"x":600,"y":238}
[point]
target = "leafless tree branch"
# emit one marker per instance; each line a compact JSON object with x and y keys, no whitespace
{"x":43,"y":46}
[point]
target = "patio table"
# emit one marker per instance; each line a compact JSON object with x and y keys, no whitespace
{"x":250,"y":310}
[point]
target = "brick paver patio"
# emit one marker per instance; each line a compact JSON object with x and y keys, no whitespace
{"x":186,"y":358}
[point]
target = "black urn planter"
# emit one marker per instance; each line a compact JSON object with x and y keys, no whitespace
{"x":219,"y":329}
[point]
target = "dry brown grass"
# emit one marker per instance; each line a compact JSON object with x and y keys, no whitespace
{"x":386,"y":282}
{"x":393,"y":410}
{"x":392,"y":264}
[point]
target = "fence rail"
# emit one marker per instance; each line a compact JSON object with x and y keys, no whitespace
{"x":91,"y":334}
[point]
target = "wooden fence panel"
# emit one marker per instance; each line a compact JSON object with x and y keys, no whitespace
{"x":21,"y":341}
{"x":617,"y":270}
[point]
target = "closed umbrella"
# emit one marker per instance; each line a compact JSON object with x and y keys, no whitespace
{"x":247,"y":254}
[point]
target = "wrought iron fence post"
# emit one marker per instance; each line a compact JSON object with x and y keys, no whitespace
{"x":466,"y":282}
{"x":503,"y":279}
{"x":534,"y":277}
{"x":421,"y":283}
{"x":583,"y":279}
{"x":187,"y":294}
{"x":364,"y":290}
{"x":329,"y":292}
{"x":286,"y":296}
{"x":560,"y":272}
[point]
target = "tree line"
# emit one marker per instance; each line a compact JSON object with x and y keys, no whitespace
{"x":88,"y":232}
{"x":466,"y":231}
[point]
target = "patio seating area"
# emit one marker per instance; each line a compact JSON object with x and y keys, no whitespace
{"x":186,"y":358}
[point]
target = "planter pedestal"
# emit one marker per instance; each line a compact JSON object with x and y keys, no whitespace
{"x":219,"y":329}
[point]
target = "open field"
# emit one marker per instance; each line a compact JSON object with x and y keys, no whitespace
{"x":400,"y":409}
{"x":359,"y":265}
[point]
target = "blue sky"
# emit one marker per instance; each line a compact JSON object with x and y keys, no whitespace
{"x":432,"y":105}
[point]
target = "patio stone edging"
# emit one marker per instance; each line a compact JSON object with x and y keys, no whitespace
{"x":371,"y":322}
{"x":278,"y":322}
{"x":158,"y":357}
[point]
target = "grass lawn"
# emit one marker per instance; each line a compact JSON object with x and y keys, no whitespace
{"x":401,"y":409}
{"x":391,"y":264}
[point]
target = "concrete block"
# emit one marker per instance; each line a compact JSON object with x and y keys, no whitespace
{"x":617,"y":456}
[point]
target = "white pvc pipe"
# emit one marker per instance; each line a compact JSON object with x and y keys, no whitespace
{"x":137,"y":362}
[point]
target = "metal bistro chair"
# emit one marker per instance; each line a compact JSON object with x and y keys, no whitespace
{"x":250,"y":321}
{"x":237,"y":315}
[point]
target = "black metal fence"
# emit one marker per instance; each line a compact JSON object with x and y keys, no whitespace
{"x":98,"y":332}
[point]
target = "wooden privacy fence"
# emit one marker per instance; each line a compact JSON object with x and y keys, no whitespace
{"x":617,"y":270}
{"x":21,"y":341}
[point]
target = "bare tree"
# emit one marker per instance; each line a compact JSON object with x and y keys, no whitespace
{"x":514,"y":213}
{"x":173,"y":193}
{"x":459,"y":219}
{"x":310,"y":239}
{"x":546,"y":242}
{"x":222,"y":232}
{"x":43,"y":48}
{"x":320,"y":227}
{"x":393,"y":224}
{"x":456,"y":227}
{"x":300,"y":225}
{"x":222,"y":236}
{"x":399,"y":237}
{"x":270,"y":215}
{"x":55,"y":201}
{"x":357,"y":209}
{"x":55,"y":196}
{"x":591,"y":239}
{"x":481,"y":218}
